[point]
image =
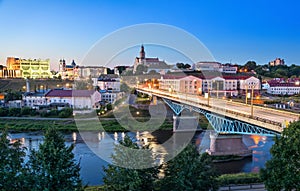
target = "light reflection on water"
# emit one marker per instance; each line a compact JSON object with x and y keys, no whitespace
{"x":92,"y":165}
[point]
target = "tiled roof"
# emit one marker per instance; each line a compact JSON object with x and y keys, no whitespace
{"x":70,"y":93}
{"x":274,"y":84}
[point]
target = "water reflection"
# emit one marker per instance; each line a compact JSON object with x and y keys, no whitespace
{"x":91,"y":164}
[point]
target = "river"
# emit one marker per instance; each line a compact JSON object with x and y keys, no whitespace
{"x":92,"y":165}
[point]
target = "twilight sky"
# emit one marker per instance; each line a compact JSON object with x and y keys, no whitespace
{"x":233,"y":30}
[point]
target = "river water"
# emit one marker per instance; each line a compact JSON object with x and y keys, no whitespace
{"x":92,"y":164}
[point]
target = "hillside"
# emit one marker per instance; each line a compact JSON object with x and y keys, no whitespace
{"x":19,"y":84}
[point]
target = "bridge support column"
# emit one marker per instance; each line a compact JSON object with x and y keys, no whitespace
{"x":185,"y":123}
{"x":154,"y":100}
{"x":222,"y":145}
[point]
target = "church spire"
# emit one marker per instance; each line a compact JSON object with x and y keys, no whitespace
{"x":142,"y":53}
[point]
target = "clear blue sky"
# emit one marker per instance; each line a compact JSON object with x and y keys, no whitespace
{"x":232,"y":30}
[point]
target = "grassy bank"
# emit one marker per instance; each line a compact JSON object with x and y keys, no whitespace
{"x":239,"y":178}
{"x":223,"y":180}
{"x":82,"y":125}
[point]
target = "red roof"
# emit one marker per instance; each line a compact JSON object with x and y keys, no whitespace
{"x":278,"y":84}
{"x":70,"y":93}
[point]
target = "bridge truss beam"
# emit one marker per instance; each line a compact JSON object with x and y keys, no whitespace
{"x":221,"y":124}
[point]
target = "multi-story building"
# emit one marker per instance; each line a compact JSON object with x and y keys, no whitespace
{"x":28,"y":68}
{"x":280,"y":86}
{"x":208,"y":66}
{"x":110,"y":97}
{"x":215,"y":85}
{"x":229,"y":69}
{"x":247,"y":83}
{"x":107,"y":82}
{"x":34,"y":99}
{"x":77,"y":99}
{"x":187,"y":84}
{"x":91,"y":71}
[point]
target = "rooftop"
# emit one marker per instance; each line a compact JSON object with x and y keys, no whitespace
{"x":69,"y":93}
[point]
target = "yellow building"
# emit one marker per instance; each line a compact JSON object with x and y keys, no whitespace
{"x":28,"y":68}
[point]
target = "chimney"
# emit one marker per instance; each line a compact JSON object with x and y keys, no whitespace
{"x":27,"y":86}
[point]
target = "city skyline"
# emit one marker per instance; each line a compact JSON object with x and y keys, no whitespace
{"x":233,"y":32}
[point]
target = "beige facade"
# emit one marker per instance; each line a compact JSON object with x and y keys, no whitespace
{"x":188,"y":84}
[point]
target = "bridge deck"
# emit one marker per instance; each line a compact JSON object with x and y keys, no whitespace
{"x":264,"y":117}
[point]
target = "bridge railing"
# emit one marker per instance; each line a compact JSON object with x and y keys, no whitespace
{"x":165,"y":94}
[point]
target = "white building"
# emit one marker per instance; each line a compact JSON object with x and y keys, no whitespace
{"x":247,"y":83}
{"x":229,"y":69}
{"x":208,"y":66}
{"x":221,"y":86}
{"x":91,"y":71}
{"x":110,"y":97}
{"x":34,"y":99}
{"x":107,"y":83}
{"x":280,"y":86}
{"x":77,"y":99}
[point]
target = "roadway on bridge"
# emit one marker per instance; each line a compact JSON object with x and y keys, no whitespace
{"x":258,"y":111}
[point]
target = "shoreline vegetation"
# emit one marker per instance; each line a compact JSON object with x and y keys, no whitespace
{"x":111,"y":125}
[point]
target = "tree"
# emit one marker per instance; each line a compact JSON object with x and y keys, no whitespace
{"x":140,"y":69}
{"x":120,"y":178}
{"x":250,"y":65}
{"x":186,"y":66}
{"x":11,"y":159}
{"x":179,"y":65}
{"x":12,"y":95}
{"x":282,"y":171}
{"x":53,"y":166}
{"x":189,"y":171}
{"x":124,"y":87}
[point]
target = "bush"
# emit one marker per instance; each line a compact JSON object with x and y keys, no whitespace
{"x":26,"y":111}
{"x":15,"y":112}
{"x":109,"y":107}
{"x":66,"y":112}
{"x":240,"y":178}
{"x":3,"y":112}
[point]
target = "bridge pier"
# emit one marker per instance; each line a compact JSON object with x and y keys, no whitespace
{"x":185,"y":123}
{"x":222,"y":145}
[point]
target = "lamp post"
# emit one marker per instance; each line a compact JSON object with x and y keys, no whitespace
{"x":246,"y":94}
{"x":252,"y":91}
{"x":217,"y":89}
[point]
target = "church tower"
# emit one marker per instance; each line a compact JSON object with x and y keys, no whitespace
{"x":142,"y":53}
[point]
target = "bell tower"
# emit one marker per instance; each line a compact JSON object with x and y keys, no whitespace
{"x":142,"y":53}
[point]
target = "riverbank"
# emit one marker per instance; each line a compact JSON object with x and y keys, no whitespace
{"x":239,"y":181}
{"x":69,"y":124}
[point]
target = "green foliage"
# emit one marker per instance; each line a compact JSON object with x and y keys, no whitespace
{"x":15,"y":112}
{"x":120,"y":178}
{"x":250,"y":65}
{"x":140,"y":69}
{"x":124,"y":88}
{"x":3,"y":112}
{"x":12,"y":95}
{"x":26,"y":111}
{"x":182,"y":66}
{"x":189,"y":171}
{"x":282,"y":171}
{"x":240,"y":178}
{"x":53,"y":166}
{"x":65,"y":112}
{"x":109,"y":107}
{"x":11,"y":159}
{"x":281,"y":71}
